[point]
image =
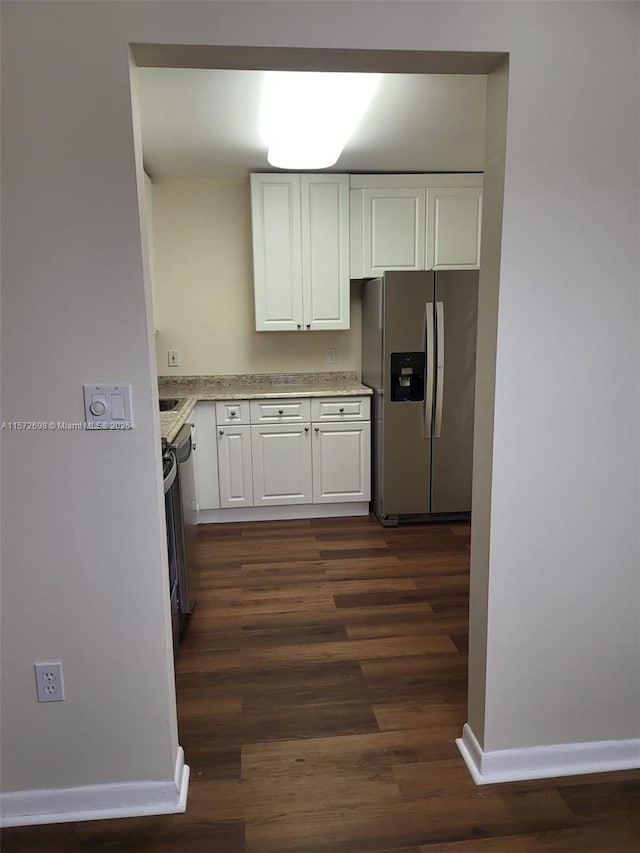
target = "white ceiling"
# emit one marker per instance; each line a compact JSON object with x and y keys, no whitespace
{"x":204,"y":123}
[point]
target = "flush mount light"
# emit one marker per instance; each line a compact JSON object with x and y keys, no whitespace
{"x":308,"y":117}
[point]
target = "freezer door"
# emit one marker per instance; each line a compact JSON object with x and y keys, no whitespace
{"x":456,"y":311}
{"x":407,"y":296}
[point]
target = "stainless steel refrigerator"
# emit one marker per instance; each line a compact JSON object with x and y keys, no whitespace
{"x":419,"y":356}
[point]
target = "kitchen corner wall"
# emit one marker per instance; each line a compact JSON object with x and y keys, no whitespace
{"x":203,"y":282}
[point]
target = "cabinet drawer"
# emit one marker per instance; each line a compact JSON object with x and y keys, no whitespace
{"x":340,"y":409}
{"x":232,"y":412}
{"x":287,"y":411}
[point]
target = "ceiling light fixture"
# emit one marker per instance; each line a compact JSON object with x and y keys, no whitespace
{"x":308,"y":117}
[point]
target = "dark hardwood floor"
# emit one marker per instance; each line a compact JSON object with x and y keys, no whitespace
{"x":321,"y":685}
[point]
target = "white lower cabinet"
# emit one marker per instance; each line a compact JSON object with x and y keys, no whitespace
{"x":341,"y":462}
{"x":234,"y":466}
{"x":284,"y":453}
{"x":205,"y":455}
{"x":281,"y":462}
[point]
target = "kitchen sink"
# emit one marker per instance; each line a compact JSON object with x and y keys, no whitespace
{"x":170,"y":404}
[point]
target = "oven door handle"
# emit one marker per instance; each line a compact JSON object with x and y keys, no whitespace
{"x":173,"y":471}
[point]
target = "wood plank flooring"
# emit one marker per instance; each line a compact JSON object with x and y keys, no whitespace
{"x":321,"y":685}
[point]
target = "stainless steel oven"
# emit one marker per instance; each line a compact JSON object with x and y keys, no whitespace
{"x":174,"y":537}
{"x":182,"y":446}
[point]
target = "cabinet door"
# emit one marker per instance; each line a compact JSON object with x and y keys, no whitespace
{"x":277,"y":259}
{"x":281,"y":458}
{"x":341,"y":462}
{"x":148,"y":237}
{"x":205,"y":455}
{"x":325,"y":250}
{"x":453,"y":237}
{"x":394,"y":228}
{"x":234,"y":464}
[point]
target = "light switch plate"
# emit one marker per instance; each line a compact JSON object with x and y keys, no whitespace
{"x":108,"y":406}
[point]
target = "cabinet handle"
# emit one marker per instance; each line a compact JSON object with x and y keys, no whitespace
{"x":341,"y":410}
{"x":193,"y":445}
{"x":280,"y":411}
{"x":221,"y":432}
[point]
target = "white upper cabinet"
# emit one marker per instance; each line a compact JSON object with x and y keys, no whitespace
{"x":148,"y":237}
{"x":325,"y":250}
{"x":277,"y":248}
{"x":300,"y":251}
{"x":393,"y":228}
{"x":414,"y":222}
{"x":454,"y":215}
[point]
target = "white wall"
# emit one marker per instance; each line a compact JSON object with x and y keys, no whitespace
{"x":83,"y":579}
{"x":84,"y":574}
{"x":488,"y":292}
{"x":563,"y":657}
{"x":203,"y":284}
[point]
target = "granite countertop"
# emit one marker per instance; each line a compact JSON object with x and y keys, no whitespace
{"x":254,"y":386}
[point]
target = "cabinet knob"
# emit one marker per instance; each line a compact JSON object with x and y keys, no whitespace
{"x":221,"y":432}
{"x":281,"y":411}
{"x":341,"y":410}
{"x":233,"y":414}
{"x":298,"y":325}
{"x":317,"y":429}
{"x":308,"y":325}
{"x":306,"y":429}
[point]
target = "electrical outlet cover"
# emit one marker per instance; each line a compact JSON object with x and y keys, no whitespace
{"x":49,"y":681}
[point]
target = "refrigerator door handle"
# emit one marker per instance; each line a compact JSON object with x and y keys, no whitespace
{"x":439,"y":368}
{"x":428,"y":366}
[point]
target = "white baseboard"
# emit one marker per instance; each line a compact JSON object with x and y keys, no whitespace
{"x":282,"y":513}
{"x":97,"y":802}
{"x":541,"y":762}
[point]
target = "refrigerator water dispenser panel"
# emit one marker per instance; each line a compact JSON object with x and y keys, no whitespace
{"x":407,"y":377}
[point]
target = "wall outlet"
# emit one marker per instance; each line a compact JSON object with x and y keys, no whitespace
{"x":331,"y":355}
{"x":49,"y":682}
{"x":173,"y":358}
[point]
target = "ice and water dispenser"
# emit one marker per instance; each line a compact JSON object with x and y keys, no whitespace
{"x":407,"y":377}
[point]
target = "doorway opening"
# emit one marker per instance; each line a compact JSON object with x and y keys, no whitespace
{"x":493,"y":68}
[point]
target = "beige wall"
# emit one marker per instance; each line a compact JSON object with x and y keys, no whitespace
{"x":83,"y":576}
{"x":203,"y":286}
